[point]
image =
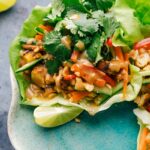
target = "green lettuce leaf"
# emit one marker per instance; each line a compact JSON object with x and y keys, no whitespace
{"x":27,"y":31}
{"x":142,"y":11}
{"x":130,"y":30}
{"x":72,"y":109}
{"x":69,"y":111}
{"x":143,"y":116}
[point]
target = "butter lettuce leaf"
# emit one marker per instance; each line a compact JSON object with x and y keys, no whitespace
{"x":130,"y":30}
{"x":134,"y":19}
{"x":27,"y":31}
{"x":143,"y":116}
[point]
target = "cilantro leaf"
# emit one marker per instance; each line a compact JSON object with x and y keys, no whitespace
{"x":83,"y":22}
{"x":67,"y":24}
{"x":104,"y":4}
{"x":74,"y":4}
{"x":53,"y":66}
{"x":94,"y":50}
{"x":110,"y":25}
{"x":39,"y":30}
{"x":89,"y":4}
{"x":86,"y":24}
{"x":107,"y":22}
{"x":58,"y":8}
{"x":99,"y":16}
{"x":54,"y":46}
{"x":51,"y":40}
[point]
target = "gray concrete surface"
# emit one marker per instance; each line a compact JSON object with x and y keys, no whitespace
{"x":10,"y":24}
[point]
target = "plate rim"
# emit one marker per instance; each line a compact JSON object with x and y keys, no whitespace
{"x":12,"y":108}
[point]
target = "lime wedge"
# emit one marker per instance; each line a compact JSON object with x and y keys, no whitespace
{"x":52,"y":116}
{"x":6,"y":4}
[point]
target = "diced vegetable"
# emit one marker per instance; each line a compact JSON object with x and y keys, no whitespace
{"x":40,"y":76}
{"x":100,"y":82}
{"x":104,"y":90}
{"x":109,"y":42}
{"x":124,"y":59}
{"x":75,"y":55}
{"x":90,"y":74}
{"x":119,"y":53}
{"x":46,"y":27}
{"x":69,"y":77}
{"x":109,"y":80}
{"x":77,"y":96}
{"x":28,"y":65}
{"x":39,"y":37}
{"x":142,"y":142}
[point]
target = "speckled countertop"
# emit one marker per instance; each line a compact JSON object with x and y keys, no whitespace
{"x":10,"y":24}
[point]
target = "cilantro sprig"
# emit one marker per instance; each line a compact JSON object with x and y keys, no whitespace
{"x":54,"y":46}
{"x":85,"y":20}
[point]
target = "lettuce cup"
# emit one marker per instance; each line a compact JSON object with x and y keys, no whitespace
{"x":68,"y":58}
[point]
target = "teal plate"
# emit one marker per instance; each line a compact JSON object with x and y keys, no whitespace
{"x":114,"y":129}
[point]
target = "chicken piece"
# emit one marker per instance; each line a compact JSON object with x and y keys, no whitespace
{"x":30,"y":56}
{"x":142,"y":60}
{"x":89,"y":87}
{"x":116,"y":65}
{"x":32,"y":47}
{"x":133,"y":54}
{"x":141,"y":51}
{"x":58,"y":78}
{"x":79,"y":85}
{"x":31,"y":41}
{"x":33,"y":91}
{"x":142,"y":100}
{"x":65,"y":71}
{"x":49,"y":93}
{"x":147,"y":68}
{"x":40,"y":76}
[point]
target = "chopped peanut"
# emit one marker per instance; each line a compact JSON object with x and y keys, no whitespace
{"x":142,"y":60}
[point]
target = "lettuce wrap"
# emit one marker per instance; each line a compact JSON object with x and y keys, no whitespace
{"x":144,"y":122}
{"x":57,"y":111}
